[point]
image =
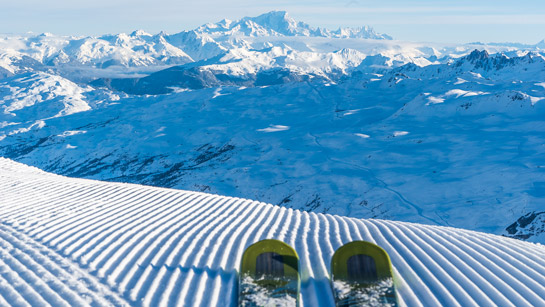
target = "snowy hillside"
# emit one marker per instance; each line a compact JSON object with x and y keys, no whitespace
{"x":75,"y":242}
{"x":346,"y":121}
{"x":419,"y":144}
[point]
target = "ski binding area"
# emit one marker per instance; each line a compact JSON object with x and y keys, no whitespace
{"x":78,"y":242}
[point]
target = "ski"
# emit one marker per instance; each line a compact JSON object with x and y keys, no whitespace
{"x":361,"y":275}
{"x":269,"y":275}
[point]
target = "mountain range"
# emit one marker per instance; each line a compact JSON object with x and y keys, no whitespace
{"x":347,"y":122}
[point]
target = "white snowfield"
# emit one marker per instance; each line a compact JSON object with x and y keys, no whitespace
{"x":77,"y":242}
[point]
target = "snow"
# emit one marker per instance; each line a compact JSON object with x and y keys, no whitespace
{"x":461,"y":93}
{"x":217,"y":93}
{"x":274,"y":128}
{"x":253,"y":41}
{"x":369,"y":296}
{"x":262,"y":296}
{"x":535,"y":100}
{"x":435,"y":100}
{"x":345,"y":122}
{"x":24,"y":94}
{"x":363,"y":136}
{"x":454,"y":92}
{"x":34,"y":126}
{"x":71,"y":133}
{"x":460,"y":81}
{"x":306,"y":140}
{"x":71,"y":242}
{"x":279,"y":23}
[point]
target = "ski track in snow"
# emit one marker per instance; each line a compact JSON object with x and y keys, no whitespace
{"x":76,"y":242}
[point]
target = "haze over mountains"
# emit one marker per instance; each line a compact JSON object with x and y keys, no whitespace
{"x":344,"y":121}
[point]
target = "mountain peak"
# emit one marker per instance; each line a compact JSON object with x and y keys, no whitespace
{"x":139,"y":33}
{"x":483,"y":61}
{"x":274,"y":14}
{"x":280,"y":23}
{"x":479,"y":59}
{"x":273,"y":17}
{"x":477,"y":55}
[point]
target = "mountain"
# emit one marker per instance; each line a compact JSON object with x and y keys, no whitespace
{"x":279,"y":23}
{"x":73,"y":56}
{"x":420,"y":144}
{"x":24,"y":96}
{"x":136,"y":55}
{"x":479,"y":63}
{"x":274,"y":23}
{"x":42,"y":96}
{"x":242,"y":67}
{"x":71,"y":242}
{"x":331,"y":123}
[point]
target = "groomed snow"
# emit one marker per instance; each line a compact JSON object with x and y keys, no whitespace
{"x":75,"y":242}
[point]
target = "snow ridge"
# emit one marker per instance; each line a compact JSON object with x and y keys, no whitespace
{"x":152,"y":246}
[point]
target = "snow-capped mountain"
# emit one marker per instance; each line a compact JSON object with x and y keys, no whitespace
{"x":498,"y":66}
{"x":242,"y":67}
{"x":43,"y":96}
{"x":140,"y":49}
{"x":268,"y":108}
{"x":75,"y":242}
{"x":279,"y":23}
{"x":139,"y":53}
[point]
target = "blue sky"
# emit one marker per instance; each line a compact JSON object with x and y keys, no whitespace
{"x":433,"y":21}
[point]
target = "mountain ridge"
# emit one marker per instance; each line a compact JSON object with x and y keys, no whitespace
{"x":280,"y":23}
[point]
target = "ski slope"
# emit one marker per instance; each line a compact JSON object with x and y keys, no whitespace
{"x":77,"y":242}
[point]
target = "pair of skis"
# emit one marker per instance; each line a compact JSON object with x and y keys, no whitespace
{"x":361,"y":275}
